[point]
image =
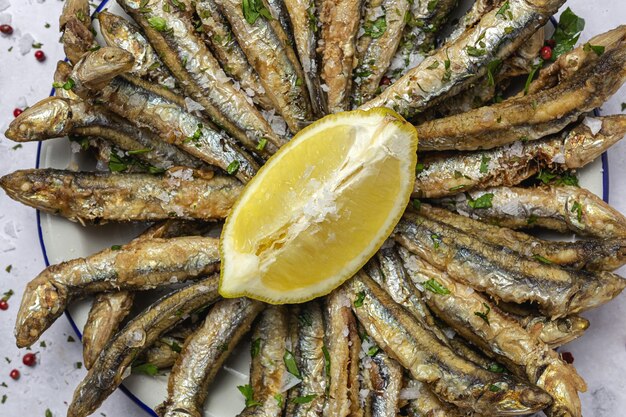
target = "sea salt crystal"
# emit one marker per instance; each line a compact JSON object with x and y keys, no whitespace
{"x":25,"y":43}
{"x":325,"y":88}
{"x":126,"y":372}
{"x":363,"y":394}
{"x":595,"y":125}
{"x":192,"y":105}
{"x":409,"y":393}
{"x":75,"y":147}
{"x":10,"y":229}
{"x":449,"y":332}
{"x":5,"y":19}
{"x":345,"y":332}
{"x":249,"y":92}
{"x":289,"y":381}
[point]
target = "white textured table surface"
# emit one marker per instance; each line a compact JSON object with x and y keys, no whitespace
{"x":600,"y":354}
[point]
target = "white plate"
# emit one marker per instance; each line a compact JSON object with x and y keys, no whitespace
{"x":62,"y":240}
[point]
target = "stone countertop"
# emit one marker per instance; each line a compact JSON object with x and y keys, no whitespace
{"x":600,"y":356}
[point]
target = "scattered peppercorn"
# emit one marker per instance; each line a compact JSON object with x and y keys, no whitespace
{"x":4,"y":305}
{"x":385,"y":81}
{"x":546,"y":53}
{"x":15,"y":374}
{"x":17,"y":112}
{"x":6,"y":29}
{"x":29,"y":359}
{"x":40,"y":56}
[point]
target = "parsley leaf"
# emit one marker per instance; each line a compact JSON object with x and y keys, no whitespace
{"x":598,"y":49}
{"x":434,"y":286}
{"x":304,"y":399}
{"x":482,"y":202}
{"x":253,"y":9}
{"x":567,"y":32}
{"x":290,"y":363}
{"x":376,"y":28}
{"x":146,"y":369}
{"x":248,"y":394}
{"x":359,"y":299}
{"x":485,"y":315}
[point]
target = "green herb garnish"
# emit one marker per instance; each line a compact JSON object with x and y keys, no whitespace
{"x":248,"y":394}
{"x":542,"y":259}
{"x":158,"y":23}
{"x":279,"y":399}
{"x":578,"y":209}
{"x":290,"y":363}
{"x":255,"y":347}
{"x":376,"y":28}
{"x":304,"y":399}
{"x":233,"y":167}
{"x":598,"y":49}
{"x":359,"y":299}
{"x":434,"y":286}
{"x":496,"y":367}
{"x":372,"y":351}
{"x":261,"y":145}
{"x":567,"y":32}
{"x":484,"y":164}
{"x":482,"y":202}
{"x":146,"y":369}
{"x":484,"y":315}
{"x":253,"y":9}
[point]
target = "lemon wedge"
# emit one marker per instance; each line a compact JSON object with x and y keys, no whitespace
{"x":319,"y":208}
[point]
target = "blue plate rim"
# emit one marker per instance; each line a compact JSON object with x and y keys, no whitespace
{"x":126,"y":391}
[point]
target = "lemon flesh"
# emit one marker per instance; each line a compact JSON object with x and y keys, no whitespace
{"x":319,"y":208}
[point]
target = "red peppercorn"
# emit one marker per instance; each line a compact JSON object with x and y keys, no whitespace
{"x":6,"y":29}
{"x":17,"y":112}
{"x":546,"y":53}
{"x":15,"y":374}
{"x":567,"y":357}
{"x":40,"y":56}
{"x":4,"y":305}
{"x":551,"y":43}
{"x":385,"y":81}
{"x":29,"y":359}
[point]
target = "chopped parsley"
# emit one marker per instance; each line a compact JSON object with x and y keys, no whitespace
{"x":146,"y":369}
{"x":70,"y":339}
{"x":37,"y":45}
{"x":255,"y":347}
{"x":253,"y":9}
{"x":432,"y":4}
{"x":567,"y":32}
{"x":482,"y":202}
{"x":484,"y":315}
{"x":532,"y":219}
{"x":67,"y":85}
{"x":447,"y":74}
{"x":326,"y":360}
{"x":456,"y":187}
{"x":433,"y":66}
{"x":565,"y":178}
{"x":434,"y":286}
{"x":372,"y":351}
{"x":417,"y":204}
{"x":359,"y":299}
{"x":419,"y":167}
{"x":531,"y":75}
{"x":304,"y":399}
{"x":436,"y":240}
{"x":375,"y":28}
{"x":78,"y":365}
{"x":116,"y":247}
{"x":484,"y":164}
{"x":139,"y":151}
{"x":248,"y":394}
{"x":578,"y":209}
{"x":290,"y":363}
{"x":8,"y":268}
{"x":598,"y":49}
{"x":493,"y":68}
{"x":623,"y":106}
{"x":4,"y":399}
{"x":505,"y":11}
{"x":542,"y":259}
{"x":158,"y":23}
{"x":233,"y":167}
{"x":279,"y":399}
{"x":7,"y":295}
{"x":43,"y":344}
{"x":261,"y":145}
{"x":494,"y":388}
{"x":48,"y":413}
{"x":474,"y":51}
{"x":496,"y":367}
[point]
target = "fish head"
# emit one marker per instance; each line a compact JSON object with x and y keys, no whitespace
{"x":563,"y":383}
{"x":511,"y":397}
{"x":50,"y":118}
{"x":96,"y":69}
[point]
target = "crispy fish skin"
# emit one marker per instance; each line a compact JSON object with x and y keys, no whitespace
{"x":163,"y":353}
{"x":78,"y":9}
{"x":109,"y":370}
{"x":173,"y":124}
{"x":451,"y":377}
{"x":502,"y":336}
{"x":171,"y":32}
{"x":344,"y":345}
{"x":100,"y":197}
{"x":268,"y":369}
{"x":307,"y":342}
{"x":303,"y":14}
{"x":268,"y":50}
{"x":77,"y":38}
{"x":386,"y":377}
{"x":423,"y":21}
{"x":121,"y":33}
{"x":466,"y":59}
{"x":472,"y":17}
{"x":204,"y":353}
{"x":596,"y":254}
{"x":428,"y":405}
{"x":571,"y":62}
{"x":226,"y":49}
{"x":505,"y":274}
{"x":340,"y":20}
{"x":562,"y":208}
{"x":374,"y":53}
{"x":532,"y":116}
{"x":278,"y":10}
{"x":445,"y":175}
{"x":107,"y":312}
{"x":137,"y":266}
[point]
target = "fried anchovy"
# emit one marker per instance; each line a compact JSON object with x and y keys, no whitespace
{"x":464,"y":350}
{"x":226,"y":49}
{"x":384,"y":22}
{"x":204,"y":353}
{"x":165,"y":351}
{"x":596,"y":254}
{"x":136,"y":266}
{"x":441,"y":175}
{"x":107,"y":312}
{"x":100,"y":197}
{"x":387,"y":271}
{"x":344,"y":345}
{"x":307,"y":340}
{"x":385,"y":378}
{"x":268,"y":50}
{"x":54,"y":117}
{"x":505,"y":274}
{"x":95,"y":69}
{"x":110,"y":309}
{"x":451,"y":377}
{"x":75,"y":9}
{"x":423,"y":403}
{"x":340,"y":20}
{"x":121,"y":33}
{"x":149,"y":109}
{"x":530,"y":117}
{"x":171,"y":32}
{"x":113,"y":363}
{"x":455,"y":66}
{"x":568,"y":64}
{"x":472,"y":17}
{"x":562,"y":208}
{"x":479,"y":321}
{"x":424,"y":19}
{"x":75,"y":24}
{"x":268,"y":371}
{"x":278,"y":10}
{"x":304,"y":18}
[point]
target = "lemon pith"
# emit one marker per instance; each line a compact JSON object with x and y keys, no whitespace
{"x":319,"y":208}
